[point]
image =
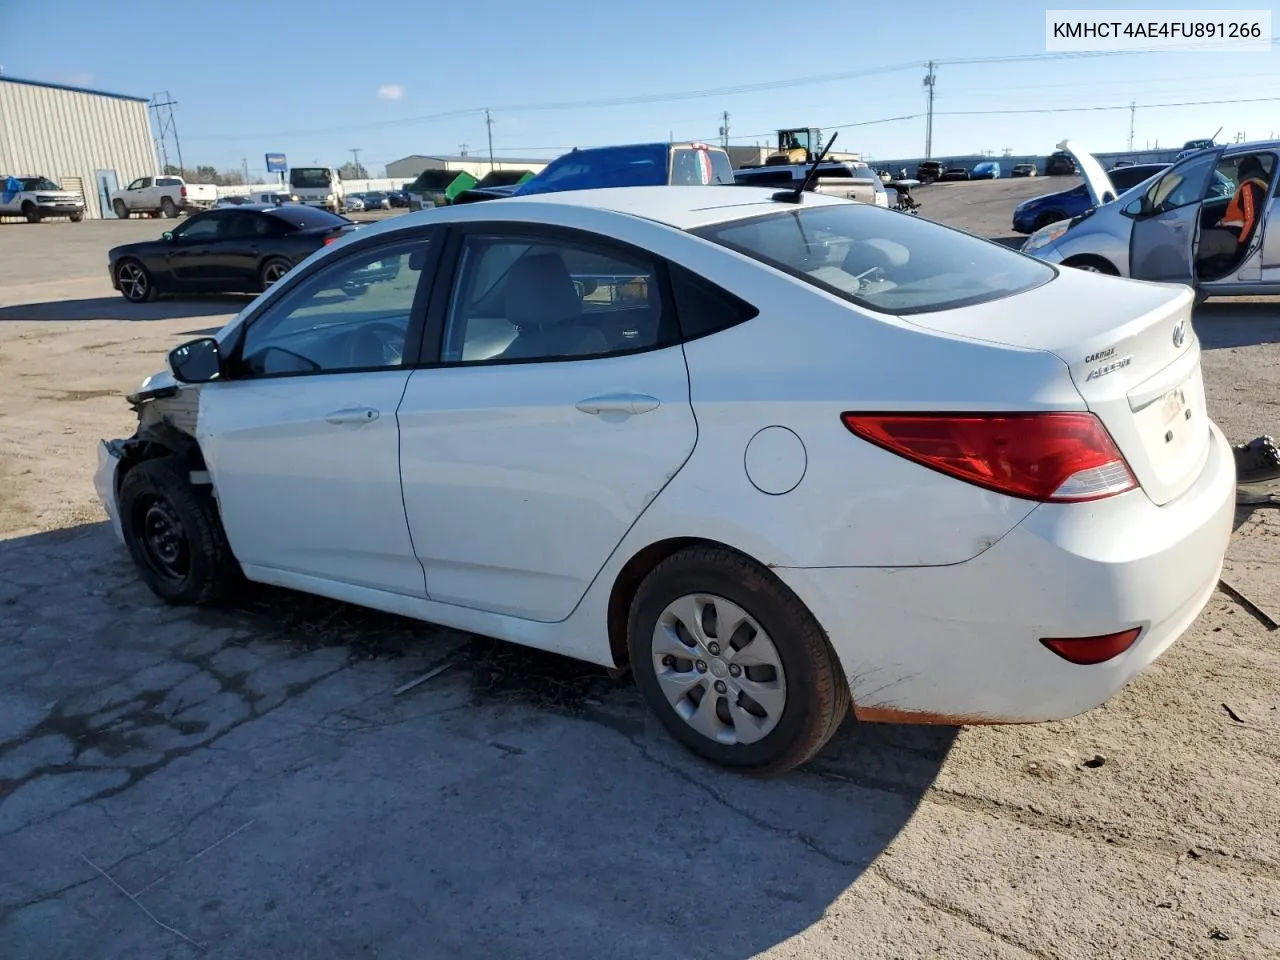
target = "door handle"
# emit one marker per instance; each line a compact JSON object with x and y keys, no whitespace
{"x":353,"y":415}
{"x":624,"y":403}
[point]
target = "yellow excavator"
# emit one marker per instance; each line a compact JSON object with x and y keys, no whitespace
{"x":798,"y":145}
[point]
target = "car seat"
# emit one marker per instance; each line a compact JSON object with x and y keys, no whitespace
{"x":542,"y":303}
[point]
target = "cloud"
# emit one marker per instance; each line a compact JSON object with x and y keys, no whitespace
{"x":390,"y":91}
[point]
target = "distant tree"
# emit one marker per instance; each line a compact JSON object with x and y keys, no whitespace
{"x":171,"y":171}
{"x":230,"y":178}
{"x":353,"y":171}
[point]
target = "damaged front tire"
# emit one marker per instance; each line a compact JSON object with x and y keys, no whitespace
{"x":174,"y":534}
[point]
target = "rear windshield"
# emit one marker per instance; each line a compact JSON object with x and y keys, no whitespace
{"x":639,"y":166}
{"x":880,"y":259}
{"x":304,"y":218}
{"x":168,"y":182}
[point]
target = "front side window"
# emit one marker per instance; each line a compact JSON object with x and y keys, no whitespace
{"x":352,"y":315}
{"x":205,"y":227}
{"x":528,"y":298}
{"x":1182,"y":185}
{"x":881,"y":260}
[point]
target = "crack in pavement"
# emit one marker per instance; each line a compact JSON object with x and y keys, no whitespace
{"x":814,"y":846}
{"x":1100,"y":834}
{"x":137,"y":774}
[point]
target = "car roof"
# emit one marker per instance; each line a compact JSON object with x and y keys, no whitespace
{"x":684,"y":208}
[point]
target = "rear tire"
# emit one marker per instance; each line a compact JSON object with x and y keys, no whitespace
{"x":174,"y":534}
{"x":168,"y":208}
{"x":77,"y":217}
{"x":797,"y":698}
{"x":122,"y":212}
{"x":272,"y":270}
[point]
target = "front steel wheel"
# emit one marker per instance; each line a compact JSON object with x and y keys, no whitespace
{"x":174,"y":534}
{"x":733,"y":663}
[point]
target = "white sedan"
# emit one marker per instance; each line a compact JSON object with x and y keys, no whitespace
{"x":778,"y":457}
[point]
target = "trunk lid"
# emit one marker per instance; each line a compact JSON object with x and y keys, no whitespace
{"x":1133,"y":355}
{"x":1101,"y":189}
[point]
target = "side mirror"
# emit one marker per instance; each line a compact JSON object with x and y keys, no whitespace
{"x":167,"y":235}
{"x":197,"y":361}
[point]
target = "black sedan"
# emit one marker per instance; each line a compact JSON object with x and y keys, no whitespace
{"x":240,"y":249}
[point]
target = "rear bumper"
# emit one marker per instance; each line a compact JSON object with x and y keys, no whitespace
{"x":961,"y":643}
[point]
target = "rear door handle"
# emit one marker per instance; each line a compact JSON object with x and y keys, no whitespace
{"x":353,"y":415}
{"x":624,"y":403}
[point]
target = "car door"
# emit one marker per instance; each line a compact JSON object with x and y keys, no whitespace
{"x":1166,"y":221}
{"x":241,"y":245}
{"x":133,"y":193}
{"x":301,"y":437}
{"x":190,"y":256}
{"x":557,"y":411}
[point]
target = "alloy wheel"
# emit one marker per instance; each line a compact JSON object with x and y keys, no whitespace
{"x":273,"y":272}
{"x":133,"y":282}
{"x":719,"y":669}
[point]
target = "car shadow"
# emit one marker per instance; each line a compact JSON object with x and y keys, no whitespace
{"x":1225,"y":324}
{"x":118,"y":308}
{"x":517,"y":794}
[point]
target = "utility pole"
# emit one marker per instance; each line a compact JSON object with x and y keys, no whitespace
{"x":462,"y":149}
{"x":355,"y":158}
{"x":1133,"y":107}
{"x":929,"y":82}
{"x":166,"y":124}
{"x":724,"y":130}
{"x":488,"y":122}
{"x":244,"y":165}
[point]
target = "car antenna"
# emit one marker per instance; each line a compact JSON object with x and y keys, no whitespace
{"x":796,"y":195}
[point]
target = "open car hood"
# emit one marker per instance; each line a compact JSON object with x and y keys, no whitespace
{"x":1101,"y":189}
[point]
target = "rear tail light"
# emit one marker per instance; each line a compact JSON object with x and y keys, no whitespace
{"x":1049,"y":457}
{"x":1090,"y":650}
{"x":183,"y":191}
{"x":331,"y":238}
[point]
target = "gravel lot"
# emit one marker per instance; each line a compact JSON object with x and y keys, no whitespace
{"x":242,"y":782}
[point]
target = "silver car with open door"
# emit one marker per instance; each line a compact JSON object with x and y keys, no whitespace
{"x":1173,"y":228}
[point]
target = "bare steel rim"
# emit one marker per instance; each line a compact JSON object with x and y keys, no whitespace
{"x":719,"y":669}
{"x":133,"y":281}
{"x":272,"y":272}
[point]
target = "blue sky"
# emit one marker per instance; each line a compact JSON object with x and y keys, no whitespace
{"x":315,"y":78}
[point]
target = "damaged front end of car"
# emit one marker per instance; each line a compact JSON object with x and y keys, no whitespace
{"x":167,"y":412}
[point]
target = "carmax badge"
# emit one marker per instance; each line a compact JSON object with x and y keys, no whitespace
{"x":1111,"y":367}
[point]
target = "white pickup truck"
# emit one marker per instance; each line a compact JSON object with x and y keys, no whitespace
{"x":38,"y":198}
{"x":167,"y":196}
{"x":853,"y":180}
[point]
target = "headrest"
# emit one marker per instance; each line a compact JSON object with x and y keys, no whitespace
{"x":863,"y":255}
{"x":540,"y":292}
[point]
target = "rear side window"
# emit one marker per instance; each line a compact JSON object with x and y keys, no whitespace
{"x":881,"y":260}
{"x":703,"y":307}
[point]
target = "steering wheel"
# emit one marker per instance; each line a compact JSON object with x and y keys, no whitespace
{"x":386,"y":339}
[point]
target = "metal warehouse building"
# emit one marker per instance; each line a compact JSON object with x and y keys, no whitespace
{"x":85,"y":140}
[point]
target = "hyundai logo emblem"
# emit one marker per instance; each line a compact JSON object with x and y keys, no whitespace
{"x":1180,"y":333}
